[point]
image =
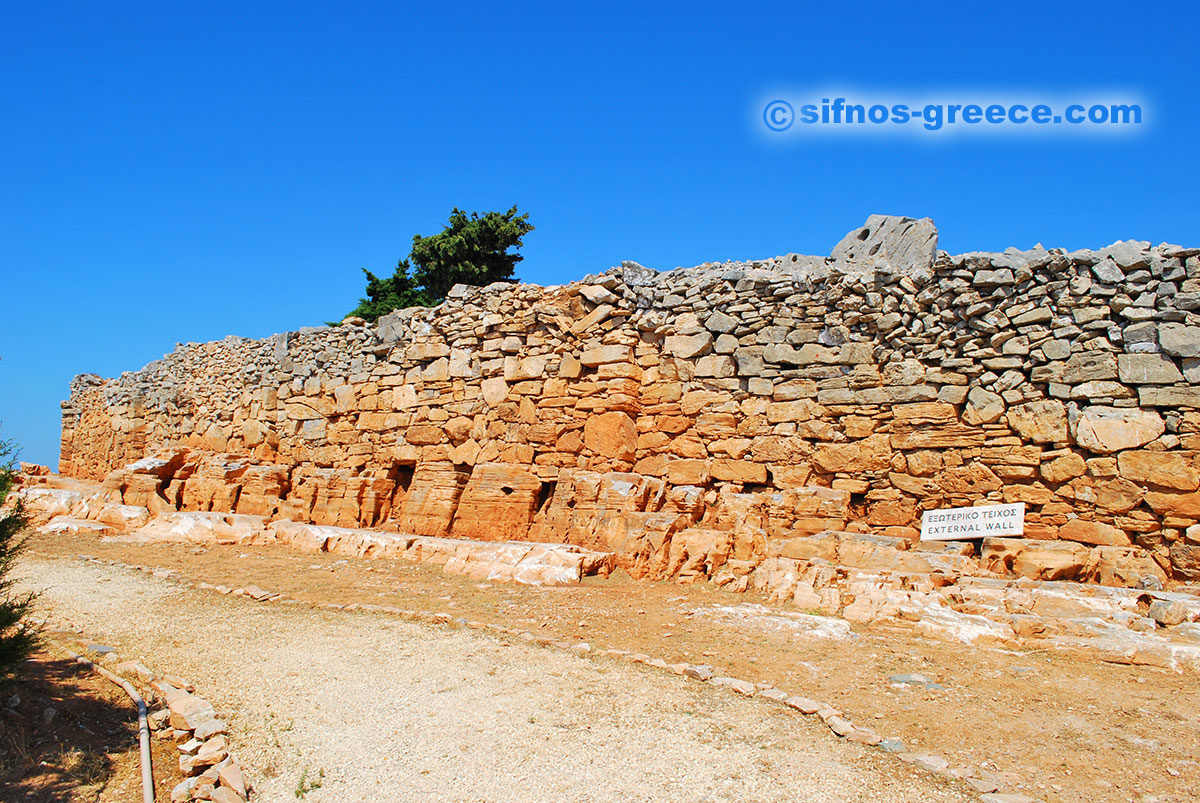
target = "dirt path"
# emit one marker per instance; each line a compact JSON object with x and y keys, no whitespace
{"x":376,"y":708}
{"x":1054,"y":725}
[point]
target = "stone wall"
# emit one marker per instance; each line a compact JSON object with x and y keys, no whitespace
{"x":700,"y":421}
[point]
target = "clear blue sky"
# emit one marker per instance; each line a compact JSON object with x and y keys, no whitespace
{"x":176,"y":174}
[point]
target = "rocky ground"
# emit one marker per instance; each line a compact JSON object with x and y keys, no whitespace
{"x":448,"y":713}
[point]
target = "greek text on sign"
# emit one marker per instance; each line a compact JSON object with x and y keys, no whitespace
{"x":955,"y":523}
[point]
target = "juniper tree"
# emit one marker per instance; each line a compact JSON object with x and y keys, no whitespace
{"x":392,"y":292}
{"x":471,"y":249}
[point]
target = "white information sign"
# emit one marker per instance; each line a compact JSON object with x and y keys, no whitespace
{"x":960,"y":523}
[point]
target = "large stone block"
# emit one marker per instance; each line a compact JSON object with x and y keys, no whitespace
{"x":1148,"y":369}
{"x":1090,"y":366}
{"x":688,"y":346}
{"x":741,"y":471}
{"x":1163,"y":469}
{"x":612,"y":435}
{"x":936,"y":436}
{"x":983,"y":407}
{"x":891,"y":244}
{"x":1037,"y":560}
{"x":1126,"y":567}
{"x":432,"y":497}
{"x":1040,"y":421}
{"x":697,"y":553}
{"x":869,"y":454}
{"x":1179,"y":340}
{"x":1105,"y":430}
{"x":1151,"y":396}
{"x":1093,"y":532}
{"x":606,"y":354}
{"x":497,"y":504}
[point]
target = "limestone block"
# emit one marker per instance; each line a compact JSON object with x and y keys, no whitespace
{"x":936,"y":436}
{"x":422,"y":352}
{"x":1121,"y":566}
{"x":1179,"y":340}
{"x":1183,"y":505}
{"x":1148,"y":369}
{"x":869,"y":454}
{"x":606,"y":354}
{"x":688,"y":346}
{"x":1185,"y":560}
{"x":1105,"y":430}
{"x":598,"y":295}
{"x":1037,"y":560}
{"x":739,"y":471}
{"x":716,"y":365}
{"x":1165,"y":469}
{"x":1093,"y":532}
{"x":890,"y":243}
{"x":612,"y":435}
{"x":823,"y":545}
{"x":1040,"y":421}
{"x":497,"y":504}
{"x":1151,"y":396}
{"x":517,"y":369}
{"x":1118,"y":495}
{"x":1089,"y":366}
{"x":1063,"y":468}
{"x":495,"y":390}
{"x":697,"y":553}
{"x":428,"y":506}
{"x":720,"y":323}
{"x":424,"y":434}
{"x":122,"y":517}
{"x":592,"y":319}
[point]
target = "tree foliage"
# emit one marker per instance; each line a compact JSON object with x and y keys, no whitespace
{"x":17,"y":639}
{"x":471,"y":249}
{"x":393,"y":292}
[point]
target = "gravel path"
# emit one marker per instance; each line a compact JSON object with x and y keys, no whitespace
{"x":391,"y":710}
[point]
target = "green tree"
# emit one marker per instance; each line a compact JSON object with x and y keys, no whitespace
{"x":393,"y":292}
{"x":17,"y":638}
{"x":472,"y":249}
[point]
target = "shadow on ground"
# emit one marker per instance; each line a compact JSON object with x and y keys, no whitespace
{"x":63,"y":732}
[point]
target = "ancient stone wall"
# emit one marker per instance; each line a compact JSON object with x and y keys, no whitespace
{"x":700,"y":421}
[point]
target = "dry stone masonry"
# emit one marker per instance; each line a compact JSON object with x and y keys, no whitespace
{"x":765,"y":424}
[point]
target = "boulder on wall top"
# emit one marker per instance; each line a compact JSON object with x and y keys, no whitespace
{"x":891,"y":244}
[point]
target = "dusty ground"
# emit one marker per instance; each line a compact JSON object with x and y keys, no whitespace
{"x":70,"y":736}
{"x":336,"y":706}
{"x":1044,"y":722}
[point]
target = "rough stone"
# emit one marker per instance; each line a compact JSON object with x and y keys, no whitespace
{"x":894,"y":244}
{"x":1039,"y":422}
{"x":1179,"y":340}
{"x":1165,"y":469}
{"x":1105,"y":430}
{"x":1148,"y":369}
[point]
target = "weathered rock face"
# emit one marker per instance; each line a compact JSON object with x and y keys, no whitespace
{"x":698,"y":422}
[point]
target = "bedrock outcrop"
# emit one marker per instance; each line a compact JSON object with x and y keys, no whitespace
{"x":698,"y":422}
